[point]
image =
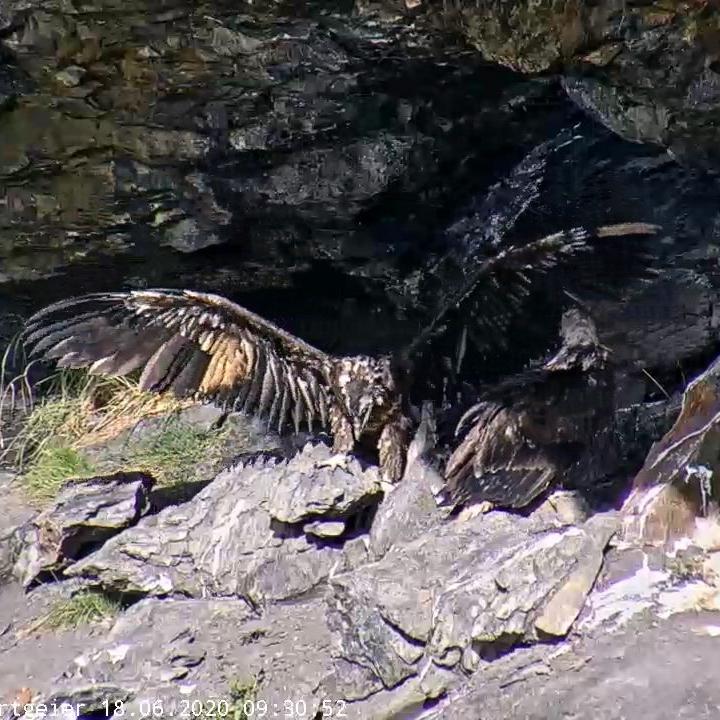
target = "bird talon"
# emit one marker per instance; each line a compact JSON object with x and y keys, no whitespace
{"x":339,"y":460}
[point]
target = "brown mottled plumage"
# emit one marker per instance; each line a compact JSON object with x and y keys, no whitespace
{"x":535,"y":429}
{"x":202,"y":345}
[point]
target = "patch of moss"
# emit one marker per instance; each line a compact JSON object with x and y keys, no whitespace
{"x":239,"y":704}
{"x":51,"y":468}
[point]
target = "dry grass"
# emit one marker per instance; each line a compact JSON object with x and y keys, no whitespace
{"x":79,"y":411}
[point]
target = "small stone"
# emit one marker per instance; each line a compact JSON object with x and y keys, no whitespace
{"x":567,"y":506}
{"x":437,"y":681}
{"x":71,"y":76}
{"x":325,"y":529}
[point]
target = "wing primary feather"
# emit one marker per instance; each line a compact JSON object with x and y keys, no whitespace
{"x":33,"y":333}
{"x":257,"y":375}
{"x":70,"y":360}
{"x":72,"y":303}
{"x":296,"y":409}
{"x":188,"y":378}
{"x":159,"y":362}
{"x":133,"y":355}
{"x":277,"y":374}
{"x":269,"y":385}
{"x":177,"y":361}
{"x":286,"y":396}
{"x":241,"y":395}
{"x":318,"y":399}
{"x":309,"y":410}
{"x":538,"y":256}
{"x":190,"y":343}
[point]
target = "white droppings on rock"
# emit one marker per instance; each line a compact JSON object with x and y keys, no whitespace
{"x":620,"y":602}
{"x":118,"y":653}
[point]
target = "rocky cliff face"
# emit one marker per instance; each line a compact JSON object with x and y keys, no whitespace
{"x":240,"y":148}
{"x":262,"y":149}
{"x":318,"y":588}
{"x":320,"y":162}
{"x":647,"y":70}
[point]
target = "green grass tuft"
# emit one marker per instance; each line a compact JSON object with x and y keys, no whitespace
{"x":84,"y":608}
{"x":59,"y":437}
{"x":239,"y":704}
{"x":240,"y":694}
{"x":174,"y":453}
{"x":51,"y":468}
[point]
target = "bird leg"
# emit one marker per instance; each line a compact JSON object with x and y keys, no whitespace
{"x":338,"y":460}
{"x":473,"y":511}
{"x":343,"y":442}
{"x":392,"y":448}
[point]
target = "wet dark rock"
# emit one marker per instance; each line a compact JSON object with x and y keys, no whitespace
{"x":83,"y":516}
{"x":646,"y":70}
{"x":297,"y":142}
{"x":263,"y":151}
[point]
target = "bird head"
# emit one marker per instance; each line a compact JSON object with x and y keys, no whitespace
{"x":367,"y":390}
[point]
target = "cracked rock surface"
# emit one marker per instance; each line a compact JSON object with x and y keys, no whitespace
{"x":321,"y":163}
{"x":187,"y":657}
{"x":242,"y":535}
{"x":83,"y":516}
{"x":496,"y":580}
{"x":219,"y":594}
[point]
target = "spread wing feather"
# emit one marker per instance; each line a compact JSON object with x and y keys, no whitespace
{"x":497,"y":463}
{"x":494,"y":291}
{"x":536,"y":429}
{"x":192,"y":344}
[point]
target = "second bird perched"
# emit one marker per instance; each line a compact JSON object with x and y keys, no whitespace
{"x":201,"y":345}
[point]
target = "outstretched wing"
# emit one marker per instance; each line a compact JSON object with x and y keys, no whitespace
{"x":191,"y":343}
{"x":493,"y":293}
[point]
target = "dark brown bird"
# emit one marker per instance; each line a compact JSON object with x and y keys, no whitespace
{"x":535,"y":430}
{"x":201,"y":345}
